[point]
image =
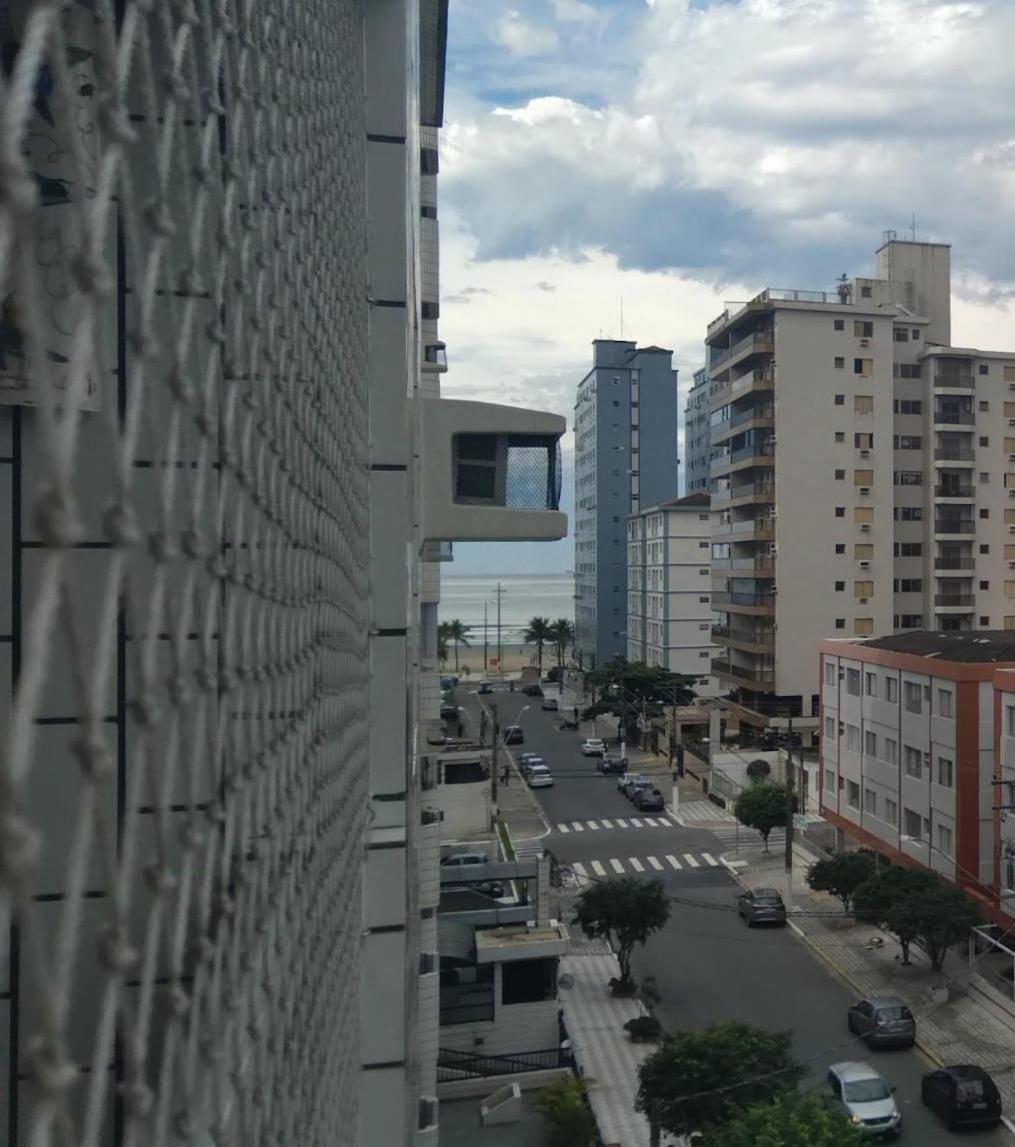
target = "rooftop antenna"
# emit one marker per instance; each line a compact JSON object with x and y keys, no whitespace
{"x":621,"y":318}
{"x":913,"y":228}
{"x":844,"y":288}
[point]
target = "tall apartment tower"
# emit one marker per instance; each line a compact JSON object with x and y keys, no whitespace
{"x":625,"y":457}
{"x":860,"y":475}
{"x":697,"y":441}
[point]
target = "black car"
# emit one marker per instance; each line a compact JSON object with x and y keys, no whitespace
{"x":550,"y":705}
{"x":533,"y":691}
{"x":963,"y":1096}
{"x":513,"y":735}
{"x":612,"y":763}
{"x":649,"y":800}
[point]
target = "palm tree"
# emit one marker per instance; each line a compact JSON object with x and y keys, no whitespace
{"x":538,"y":633}
{"x":442,"y":642}
{"x":562,"y":635}
{"x":456,"y":632}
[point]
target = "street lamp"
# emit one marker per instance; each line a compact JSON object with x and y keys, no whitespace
{"x":522,"y":710}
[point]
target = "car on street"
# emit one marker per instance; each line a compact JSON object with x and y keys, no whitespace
{"x":761,"y":906}
{"x":530,"y":761}
{"x":612,"y":763}
{"x":593,"y":747}
{"x":539,"y":777}
{"x":963,"y":1095}
{"x":634,"y":790}
{"x":513,"y":735}
{"x":485,"y":687}
{"x":464,"y":859}
{"x":533,"y":691}
{"x":550,"y":705}
{"x":860,"y":1090}
{"x":882,"y":1021}
{"x":649,"y":799}
{"x":630,"y":779}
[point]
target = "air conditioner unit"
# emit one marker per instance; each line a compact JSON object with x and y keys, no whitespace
{"x":865,"y":527}
{"x":1011,"y":529}
{"x":1011,"y":385}
{"x":864,"y":564}
{"x":1011,"y":421}
{"x":862,"y":600}
{"x":865,"y":453}
{"x":1011,"y":565}
{"x":1011,"y":457}
{"x":865,"y":342}
{"x":1011,"y":492}
{"x":865,"y":489}
{"x":773,"y":514}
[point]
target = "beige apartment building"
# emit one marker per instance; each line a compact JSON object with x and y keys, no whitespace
{"x":862,"y":476}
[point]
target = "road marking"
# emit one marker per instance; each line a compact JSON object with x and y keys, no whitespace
{"x":606,"y":823}
{"x":579,"y":869}
{"x":562,"y":828}
{"x":710,"y":860}
{"x":620,"y":822}
{"x":636,"y":823}
{"x":656,"y":864}
{"x":649,"y":820}
{"x":593,"y":824}
{"x":616,"y":866}
{"x":577,"y":826}
{"x":691,"y":861}
{"x":598,"y":869}
{"x":672,"y":861}
{"x":636,"y":864}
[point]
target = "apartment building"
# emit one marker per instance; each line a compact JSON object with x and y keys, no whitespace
{"x":917,"y":732}
{"x":625,"y":427}
{"x":697,"y":438}
{"x":860,"y":475}
{"x":669,"y":611}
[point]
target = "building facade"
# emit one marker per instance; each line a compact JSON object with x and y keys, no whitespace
{"x":697,"y":438}
{"x":669,"y":612}
{"x":625,"y":427}
{"x":860,"y":475}
{"x":916,"y":739}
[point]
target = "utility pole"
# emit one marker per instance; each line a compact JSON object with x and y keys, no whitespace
{"x":500,"y":648}
{"x":790,"y":786}
{"x":486,"y":643}
{"x":493,"y":754}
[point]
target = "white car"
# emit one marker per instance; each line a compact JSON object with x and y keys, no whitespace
{"x":593,"y":747}
{"x":539,"y":777}
{"x":866,"y":1099}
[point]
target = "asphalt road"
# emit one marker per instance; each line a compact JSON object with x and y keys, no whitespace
{"x":708,"y":965}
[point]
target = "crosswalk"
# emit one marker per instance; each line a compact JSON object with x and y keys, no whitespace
{"x":734,"y":836}
{"x":626,"y":865}
{"x":660,"y":820}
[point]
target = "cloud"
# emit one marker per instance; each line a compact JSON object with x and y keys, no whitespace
{"x":544,"y":286}
{"x":522,"y":38}
{"x":577,"y":12}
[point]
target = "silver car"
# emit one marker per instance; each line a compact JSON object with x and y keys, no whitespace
{"x":867,"y":1100}
{"x":883,"y":1021}
{"x":623,"y":782}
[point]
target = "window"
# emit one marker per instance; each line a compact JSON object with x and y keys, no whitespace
{"x":1009,"y":720}
{"x":840,"y":586}
{"x":945,"y":773}
{"x":840,"y":547}
{"x":528,"y":981}
{"x":891,"y":751}
{"x":985,"y":549}
{"x":840,"y":623}
{"x":910,"y":621}
{"x":829,"y":781}
{"x":983,"y":405}
{"x":870,"y":802}
{"x":863,"y":626}
{"x":944,"y":839}
{"x":839,"y":324}
{"x":703,"y":601}
{"x":863,"y":551}
{"x":853,"y":738}
{"x":912,"y":696}
{"x":982,"y":368}
{"x":870,"y":684}
{"x":909,"y":585}
{"x":863,"y":329}
{"x":870,"y":743}
{"x":703,"y":545}
{"x":908,"y":442}
{"x":900,"y":335}
{"x":984,"y":513}
{"x":428,"y":161}
{"x":840,"y":511}
{"x":908,"y":478}
{"x":840,"y":364}
{"x":840,"y":436}
{"x":916,"y":335}
{"x":852,"y":794}
{"x":863,"y":477}
{"x":985,"y":622}
{"x":945,"y":700}
{"x":863,"y":403}
{"x":853,"y":682}
{"x":908,"y":406}
{"x":863,"y":441}
{"x":840,"y":475}
{"x":865,"y":292}
{"x":909,"y":549}
{"x":913,"y":761}
{"x":840,"y":400}
{"x":984,"y":477}
{"x":912,"y":824}
{"x":984,"y":585}
{"x":909,"y":370}
{"x":891,"y":811}
{"x":704,"y":653}
{"x":909,"y":513}
{"x":831,"y":676}
{"x":829,"y":728}
{"x":863,"y":589}
{"x":863,"y":366}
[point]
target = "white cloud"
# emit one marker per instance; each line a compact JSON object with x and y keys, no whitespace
{"x":522,"y":38}
{"x":576,"y":12}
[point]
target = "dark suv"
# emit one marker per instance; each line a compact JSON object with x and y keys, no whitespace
{"x":612,"y":763}
{"x":533,"y":691}
{"x":963,"y":1096}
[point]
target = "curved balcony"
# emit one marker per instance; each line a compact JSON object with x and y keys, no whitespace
{"x":759,"y":677}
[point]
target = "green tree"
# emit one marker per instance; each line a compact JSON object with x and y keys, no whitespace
{"x":562,"y":635}
{"x":628,"y":689}
{"x":539,"y":633}
{"x":889,"y":900}
{"x":841,"y":875}
{"x":567,"y":1120}
{"x":623,"y":912}
{"x":442,"y":643}
{"x":762,"y":806}
{"x":803,"y":1121}
{"x":455,"y":632}
{"x":759,"y":770}
{"x":704,"y":1079}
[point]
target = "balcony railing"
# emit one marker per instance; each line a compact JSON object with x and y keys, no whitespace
{"x":458,"y":1065}
{"x":741,"y":673}
{"x":953,"y":491}
{"x":954,"y":454}
{"x":759,"y":340}
{"x":736,"y":636}
{"x":753,"y":380}
{"x":954,"y":526}
{"x":954,"y":564}
{"x":959,"y":380}
{"x":955,"y":417}
{"x":965,"y":600}
{"x":755,"y":412}
{"x":750,"y":489}
{"x":756,"y":600}
{"x":750,"y":564}
{"x":753,"y":528}
{"x":764,"y":450}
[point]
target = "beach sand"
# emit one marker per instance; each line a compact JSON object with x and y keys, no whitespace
{"x":515,"y":659}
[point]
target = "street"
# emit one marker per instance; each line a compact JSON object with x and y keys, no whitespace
{"x":708,"y":965}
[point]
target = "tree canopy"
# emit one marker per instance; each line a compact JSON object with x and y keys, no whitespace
{"x":629,"y":688}
{"x":538,"y":633}
{"x":567,"y":1120}
{"x":453,"y":631}
{"x":763,"y":807}
{"x":803,"y":1121}
{"x":702,"y":1079}
{"x":624,"y":912}
{"x":562,"y":635}
{"x":841,"y":875}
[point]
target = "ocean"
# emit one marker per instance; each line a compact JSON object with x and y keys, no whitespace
{"x":525,"y":596}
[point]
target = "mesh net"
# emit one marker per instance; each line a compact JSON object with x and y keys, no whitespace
{"x":183,"y":428}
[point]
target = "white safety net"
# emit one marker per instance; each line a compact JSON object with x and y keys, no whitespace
{"x":183,"y":571}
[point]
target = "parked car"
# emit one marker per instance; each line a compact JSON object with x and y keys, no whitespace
{"x":963,"y":1095}
{"x":868,"y":1101}
{"x":464,"y":859}
{"x":612,"y":763}
{"x":882,"y":1021}
{"x":539,"y":777}
{"x":522,"y":757}
{"x":513,"y":735}
{"x":761,"y":906}
{"x":533,"y":691}
{"x":492,"y":888}
{"x":593,"y":747}
{"x":649,"y":799}
{"x":630,"y":779}
{"x":530,"y":762}
{"x":550,"y":705}
{"x":485,"y":687}
{"x":634,"y":790}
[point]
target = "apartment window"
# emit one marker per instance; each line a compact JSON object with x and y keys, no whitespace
{"x":870,"y":684}
{"x":703,"y":653}
{"x":863,"y":403}
{"x":908,"y":442}
{"x":945,"y":701}
{"x":429,"y":163}
{"x":528,"y":981}
{"x":840,"y":436}
{"x":839,"y":324}
{"x":703,"y":600}
{"x":840,"y":547}
{"x":912,"y":759}
{"x":863,"y":589}
{"x":840,"y":511}
{"x":891,"y":751}
{"x":863,"y":551}
{"x":863,"y":626}
{"x":910,"y":621}
{"x":982,"y":368}
{"x":1009,"y":720}
{"x":983,"y":404}
{"x":831,"y":675}
{"x":985,"y":622}
{"x":840,"y":400}
{"x":984,"y":585}
{"x":909,"y":549}
{"x":863,"y":441}
{"x":944,"y":839}
{"x":900,"y":335}
{"x":984,"y":477}
{"x":863,"y":366}
{"x":852,"y":794}
{"x":870,"y":802}
{"x":916,"y":335}
{"x":985,"y":549}
{"x":829,"y":781}
{"x":945,"y":773}
{"x":912,"y":824}
{"x":909,"y":370}
{"x":908,"y":478}
{"x":908,"y":406}
{"x":840,"y":475}
{"x":870,"y":743}
{"x":853,"y":738}
{"x":840,"y":586}
{"x":909,"y":513}
{"x":863,"y":477}
{"x":829,"y":728}
{"x":912,"y":697}
{"x":703,"y":545}
{"x":891,"y":811}
{"x":865,"y":292}
{"x":840,"y":623}
{"x":909,"y":585}
{"x":863,"y":329}
{"x":853,"y":682}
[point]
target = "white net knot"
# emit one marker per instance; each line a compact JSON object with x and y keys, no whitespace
{"x":20,"y":845}
{"x":51,"y":1070}
{"x":93,"y":756}
{"x":56,"y":519}
{"x":116,"y":952}
{"x":119,"y":525}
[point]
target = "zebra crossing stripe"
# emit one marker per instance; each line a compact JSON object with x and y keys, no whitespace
{"x":562,"y":828}
{"x":710,"y":860}
{"x":616,"y":866}
{"x":607,"y":823}
{"x":656,"y":864}
{"x":672,"y":861}
{"x":636,"y":823}
{"x":649,"y":820}
{"x":691,"y":861}
{"x":579,"y":870}
{"x":593,"y":824}
{"x":578,"y":827}
{"x":621,"y":823}
{"x":597,"y":868}
{"x":636,"y":864}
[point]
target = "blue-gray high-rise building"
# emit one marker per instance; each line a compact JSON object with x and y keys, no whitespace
{"x":625,"y":427}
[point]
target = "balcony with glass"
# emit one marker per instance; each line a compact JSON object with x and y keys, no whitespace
{"x":955,"y":485}
{"x":758,"y":676}
{"x":954,"y":374}
{"x":955,"y":447}
{"x":960,"y":525}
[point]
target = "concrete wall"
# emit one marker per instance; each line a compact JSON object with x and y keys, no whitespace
{"x":514,"y":1028}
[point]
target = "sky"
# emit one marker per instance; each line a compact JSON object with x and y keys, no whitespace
{"x":668,"y":155}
